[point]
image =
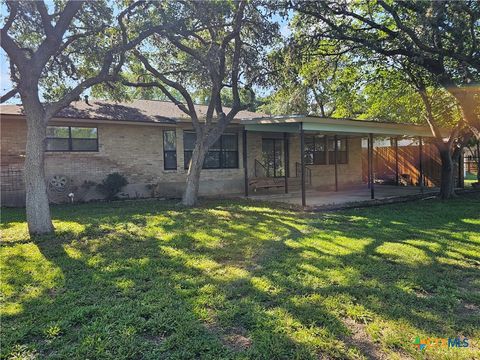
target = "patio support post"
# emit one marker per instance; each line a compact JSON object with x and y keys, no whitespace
{"x":285,"y":160}
{"x":245,"y":167}
{"x":420,"y":165}
{"x":372,"y":190}
{"x":397,"y":178}
{"x":368,"y":162}
{"x":302,"y":162}
{"x":461,"y":170}
{"x":335,"y":155}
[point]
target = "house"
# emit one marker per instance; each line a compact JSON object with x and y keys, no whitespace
{"x":151,"y":142}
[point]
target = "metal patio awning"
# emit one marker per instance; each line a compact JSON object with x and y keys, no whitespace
{"x":301,"y":125}
{"x":293,"y":124}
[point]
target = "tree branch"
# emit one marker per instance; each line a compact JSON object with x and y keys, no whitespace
{"x":422,"y":46}
{"x":46,"y":20}
{"x":8,"y":95}
{"x":188,"y":99}
{"x":103,"y":75}
{"x":237,"y":24}
{"x":13,"y":7}
{"x":14,"y":52}
{"x":54,"y":37}
{"x":163,"y":89}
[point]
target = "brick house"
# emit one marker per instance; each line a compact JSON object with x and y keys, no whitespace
{"x":150,"y":143}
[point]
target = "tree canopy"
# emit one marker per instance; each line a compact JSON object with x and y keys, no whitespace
{"x":208,"y":51}
{"x":441,"y":37}
{"x":56,"y":51}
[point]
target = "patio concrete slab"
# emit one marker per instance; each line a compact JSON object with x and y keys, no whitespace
{"x":317,"y":198}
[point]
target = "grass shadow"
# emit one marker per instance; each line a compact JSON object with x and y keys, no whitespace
{"x":147,"y":279}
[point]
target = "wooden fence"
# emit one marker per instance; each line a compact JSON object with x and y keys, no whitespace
{"x":408,"y":164}
{"x":471,"y":164}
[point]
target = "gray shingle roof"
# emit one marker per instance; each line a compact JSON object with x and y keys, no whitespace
{"x":137,"y":111}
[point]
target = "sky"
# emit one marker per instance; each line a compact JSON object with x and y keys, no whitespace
{"x":6,"y":84}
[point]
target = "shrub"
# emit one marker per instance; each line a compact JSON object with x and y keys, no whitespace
{"x":112,"y":184}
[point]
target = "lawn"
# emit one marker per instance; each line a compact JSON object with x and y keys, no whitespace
{"x":470,"y":179}
{"x":242,"y":280}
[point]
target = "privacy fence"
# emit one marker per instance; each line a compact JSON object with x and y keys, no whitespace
{"x":386,"y":160}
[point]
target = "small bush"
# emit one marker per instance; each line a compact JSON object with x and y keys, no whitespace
{"x":111,"y":185}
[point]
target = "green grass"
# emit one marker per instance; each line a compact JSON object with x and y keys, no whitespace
{"x":470,"y":179}
{"x":241,"y":280}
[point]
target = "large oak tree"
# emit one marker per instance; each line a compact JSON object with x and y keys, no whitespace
{"x":56,"y":51}
{"x":214,"y":47}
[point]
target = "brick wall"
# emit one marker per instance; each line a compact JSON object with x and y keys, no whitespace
{"x":136,"y":151}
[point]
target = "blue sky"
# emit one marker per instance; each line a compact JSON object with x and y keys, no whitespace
{"x":5,"y":83}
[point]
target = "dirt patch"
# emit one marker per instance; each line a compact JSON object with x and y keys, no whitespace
{"x":466,"y":309}
{"x":235,"y":338}
{"x":471,"y":307}
{"x":422,"y":294}
{"x":362,"y":341}
{"x":237,"y":342}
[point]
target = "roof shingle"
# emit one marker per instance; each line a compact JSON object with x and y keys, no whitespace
{"x":152,"y":111}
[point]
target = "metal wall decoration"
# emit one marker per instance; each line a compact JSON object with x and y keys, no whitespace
{"x":59,"y":186}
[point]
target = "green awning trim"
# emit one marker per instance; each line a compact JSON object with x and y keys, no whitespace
{"x":378,"y":129}
{"x":347,"y":127}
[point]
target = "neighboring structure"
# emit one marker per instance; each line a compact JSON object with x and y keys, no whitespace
{"x":151,"y":142}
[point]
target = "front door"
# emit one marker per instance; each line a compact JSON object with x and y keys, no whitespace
{"x":273,"y":157}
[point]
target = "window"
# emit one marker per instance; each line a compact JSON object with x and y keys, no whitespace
{"x":315,"y":150}
{"x":223,"y":154}
{"x":169,"y":150}
{"x":69,"y":138}
{"x":342,"y":152}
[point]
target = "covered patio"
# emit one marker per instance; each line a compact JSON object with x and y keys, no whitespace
{"x":292,"y":132}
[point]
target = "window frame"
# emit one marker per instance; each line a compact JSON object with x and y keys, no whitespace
{"x":220,"y":152}
{"x":70,"y":142}
{"x":345,"y":138}
{"x":316,"y":140}
{"x":169,"y":151}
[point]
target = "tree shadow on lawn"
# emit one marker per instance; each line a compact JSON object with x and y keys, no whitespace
{"x":244,"y":280}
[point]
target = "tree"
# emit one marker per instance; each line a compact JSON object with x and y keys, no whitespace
{"x":441,"y":109}
{"x":202,"y":45}
{"x":439,"y":36}
{"x":305,"y":83}
{"x":436,"y":41}
{"x":408,"y":94}
{"x":56,"y":52}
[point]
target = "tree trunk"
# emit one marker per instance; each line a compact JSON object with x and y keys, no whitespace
{"x":190,"y":196}
{"x":478,"y":160}
{"x":37,"y":206}
{"x":447,"y":186}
